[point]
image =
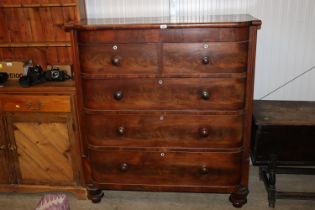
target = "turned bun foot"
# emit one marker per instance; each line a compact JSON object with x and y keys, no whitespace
{"x":239,"y":198}
{"x":95,"y":194}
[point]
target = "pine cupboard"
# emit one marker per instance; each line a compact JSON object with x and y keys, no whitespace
{"x":40,"y":147}
{"x":33,"y":30}
{"x":39,"y":139}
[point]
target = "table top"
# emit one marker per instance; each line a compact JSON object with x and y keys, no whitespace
{"x":239,"y":20}
{"x":284,"y":112}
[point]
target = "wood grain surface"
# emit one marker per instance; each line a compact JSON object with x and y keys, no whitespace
{"x":165,"y":168}
{"x":201,"y":58}
{"x":31,"y":103}
{"x":132,"y":58}
{"x":164,"y":129}
{"x":183,"y":123}
{"x":34,"y":30}
{"x":43,"y":152}
{"x":172,"y":94}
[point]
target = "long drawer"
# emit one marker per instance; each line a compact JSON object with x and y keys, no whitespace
{"x":165,"y":168}
{"x":170,"y":35}
{"x":156,"y":129}
{"x":164,"y":93}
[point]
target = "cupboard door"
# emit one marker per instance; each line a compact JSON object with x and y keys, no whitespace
{"x":43,"y":148}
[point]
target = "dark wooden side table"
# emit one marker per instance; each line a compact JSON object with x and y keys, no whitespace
{"x":283,"y":142}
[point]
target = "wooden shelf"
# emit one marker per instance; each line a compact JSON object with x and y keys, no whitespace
{"x":36,"y":44}
{"x":38,"y":5}
{"x":12,"y":86}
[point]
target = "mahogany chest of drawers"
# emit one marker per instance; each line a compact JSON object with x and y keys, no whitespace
{"x":166,"y":105}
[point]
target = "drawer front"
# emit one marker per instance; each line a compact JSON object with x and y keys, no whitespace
{"x":28,"y":103}
{"x":119,"y":59}
{"x":229,"y":57}
{"x":164,"y":130}
{"x":206,"y":35}
{"x":167,"y":35}
{"x":165,"y":168}
{"x":164,"y":94}
{"x":119,"y":36}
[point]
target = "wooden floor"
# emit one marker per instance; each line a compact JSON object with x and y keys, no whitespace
{"x":178,"y":201}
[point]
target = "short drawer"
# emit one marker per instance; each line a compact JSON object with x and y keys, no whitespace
{"x":188,"y":35}
{"x":39,"y":103}
{"x":156,"y":129}
{"x":164,"y":93}
{"x":190,"y":58}
{"x":119,"y":36}
{"x":119,"y":58}
{"x":165,"y":168}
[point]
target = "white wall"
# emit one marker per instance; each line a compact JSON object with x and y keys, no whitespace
{"x":286,"y":42}
{"x":127,"y":8}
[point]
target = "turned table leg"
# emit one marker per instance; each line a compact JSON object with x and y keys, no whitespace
{"x":272,"y":182}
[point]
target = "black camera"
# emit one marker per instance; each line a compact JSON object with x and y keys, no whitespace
{"x":55,"y":74}
{"x":34,"y":75}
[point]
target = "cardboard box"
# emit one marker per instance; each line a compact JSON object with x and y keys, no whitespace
{"x":15,"y":69}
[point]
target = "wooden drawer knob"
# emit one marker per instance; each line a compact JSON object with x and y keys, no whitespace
{"x":118,"y":95}
{"x":124,"y":167}
{"x":204,"y":132}
{"x":205,"y":60}
{"x":121,"y":131}
{"x":204,"y":170}
{"x":205,"y":95}
{"x":116,"y":61}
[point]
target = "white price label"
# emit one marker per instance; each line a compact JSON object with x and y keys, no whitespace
{"x":163,"y":26}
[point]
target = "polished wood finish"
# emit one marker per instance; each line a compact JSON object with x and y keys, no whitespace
{"x":95,"y":194}
{"x":12,"y":87}
{"x":40,"y":139}
{"x":163,"y":129}
{"x":78,"y":191}
{"x":119,"y":58}
{"x":119,"y":36}
{"x":203,"y":58}
{"x":31,"y":103}
{"x":176,"y":168}
{"x":205,"y":35}
{"x":239,"y":198}
{"x":167,"y":22}
{"x":165,"y":94}
{"x":177,"y":117}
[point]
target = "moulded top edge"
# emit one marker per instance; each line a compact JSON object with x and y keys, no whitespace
{"x":240,"y":20}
